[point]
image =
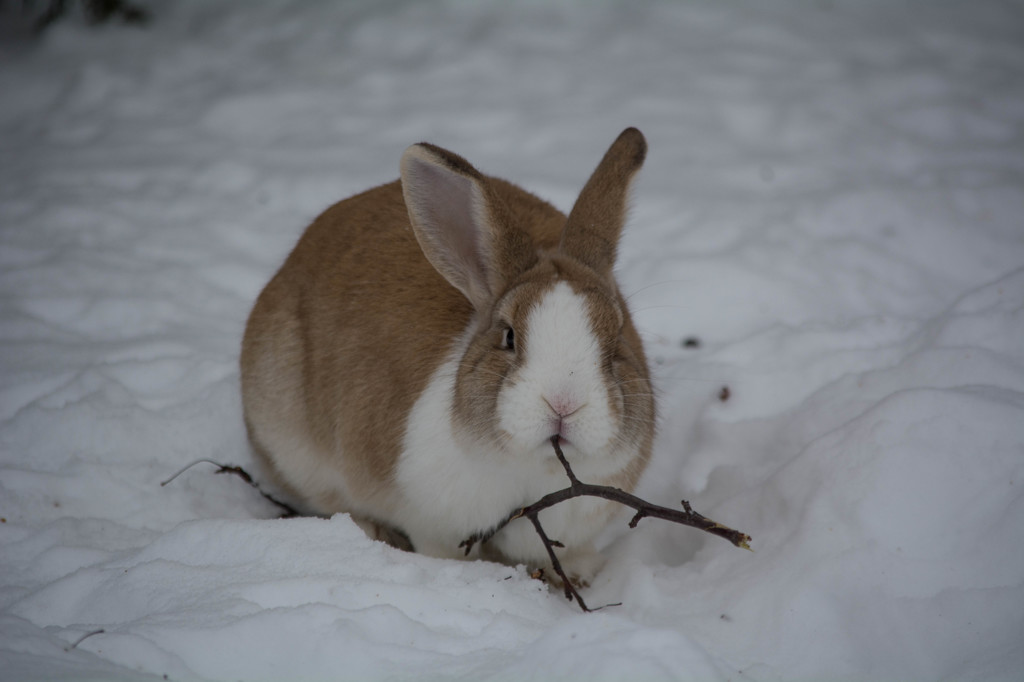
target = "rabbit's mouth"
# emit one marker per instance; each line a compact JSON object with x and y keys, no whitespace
{"x":555,"y":435}
{"x":558,"y":432}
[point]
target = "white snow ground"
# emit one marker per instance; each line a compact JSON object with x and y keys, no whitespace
{"x":833,"y":204}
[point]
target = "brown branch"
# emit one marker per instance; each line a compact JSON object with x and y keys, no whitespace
{"x":289,"y":511}
{"x":83,"y":638}
{"x":644,"y":509}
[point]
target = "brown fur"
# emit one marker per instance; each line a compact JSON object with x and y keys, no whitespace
{"x":361,"y":253}
{"x":595,"y":222}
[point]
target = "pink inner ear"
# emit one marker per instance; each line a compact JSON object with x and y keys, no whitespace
{"x":449,"y":216}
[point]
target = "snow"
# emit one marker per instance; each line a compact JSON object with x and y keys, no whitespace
{"x":831,"y":204}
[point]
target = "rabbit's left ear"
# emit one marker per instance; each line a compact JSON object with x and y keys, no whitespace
{"x":595,"y":223}
{"x":461,"y":227}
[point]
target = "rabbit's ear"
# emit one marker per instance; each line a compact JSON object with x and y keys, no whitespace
{"x":595,"y":223}
{"x":453,"y":218}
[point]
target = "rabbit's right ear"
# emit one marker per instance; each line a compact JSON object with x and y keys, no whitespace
{"x":455,"y":222}
{"x":595,"y":223}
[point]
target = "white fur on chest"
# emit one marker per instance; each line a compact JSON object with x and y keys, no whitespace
{"x":449,"y":493}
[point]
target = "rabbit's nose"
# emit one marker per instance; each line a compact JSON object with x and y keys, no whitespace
{"x":563,"y":405}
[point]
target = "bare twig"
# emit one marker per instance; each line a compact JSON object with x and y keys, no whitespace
{"x":289,"y":511}
{"x":644,"y":509}
{"x":81,"y":639}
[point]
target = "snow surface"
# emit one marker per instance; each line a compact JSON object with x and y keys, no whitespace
{"x":833,"y":204}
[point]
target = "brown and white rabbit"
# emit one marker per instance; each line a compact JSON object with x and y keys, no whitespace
{"x":418,"y":349}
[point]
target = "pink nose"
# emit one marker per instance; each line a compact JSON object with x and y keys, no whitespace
{"x":563,"y":405}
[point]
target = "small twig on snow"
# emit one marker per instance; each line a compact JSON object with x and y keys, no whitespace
{"x":83,"y":638}
{"x":289,"y":511}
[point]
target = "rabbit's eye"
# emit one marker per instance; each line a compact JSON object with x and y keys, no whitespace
{"x":508,"y":342}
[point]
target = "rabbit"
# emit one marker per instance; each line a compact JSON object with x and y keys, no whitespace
{"x":424,"y":341}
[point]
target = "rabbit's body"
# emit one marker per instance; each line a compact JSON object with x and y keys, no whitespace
{"x":423,"y":342}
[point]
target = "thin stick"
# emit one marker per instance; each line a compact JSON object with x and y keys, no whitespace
{"x":549,"y":545}
{"x":83,"y":638}
{"x":242,"y":474}
{"x":686,"y":517}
